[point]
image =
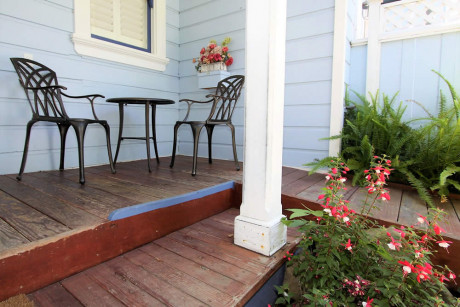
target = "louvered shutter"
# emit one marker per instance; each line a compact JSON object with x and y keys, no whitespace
{"x":124,"y":21}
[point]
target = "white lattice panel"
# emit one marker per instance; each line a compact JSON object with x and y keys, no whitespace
{"x":406,"y":15}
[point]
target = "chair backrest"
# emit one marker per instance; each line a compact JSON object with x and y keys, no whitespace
{"x":229,"y":90}
{"x":38,"y":82}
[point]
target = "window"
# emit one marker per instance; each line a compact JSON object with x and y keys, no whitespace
{"x":126,"y":31}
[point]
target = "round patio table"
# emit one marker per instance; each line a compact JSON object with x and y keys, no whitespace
{"x":153,"y":102}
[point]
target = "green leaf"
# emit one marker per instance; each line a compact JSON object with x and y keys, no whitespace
{"x":298,"y":213}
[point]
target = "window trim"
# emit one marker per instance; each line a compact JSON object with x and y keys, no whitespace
{"x":93,"y":47}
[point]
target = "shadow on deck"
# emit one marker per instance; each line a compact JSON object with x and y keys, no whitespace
{"x":52,"y":227}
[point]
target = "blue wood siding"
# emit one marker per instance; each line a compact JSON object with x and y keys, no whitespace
{"x":406,"y":69}
{"x":43,"y":28}
{"x":308,"y":73}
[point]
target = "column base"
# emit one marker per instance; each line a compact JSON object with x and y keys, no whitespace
{"x":263,"y":237}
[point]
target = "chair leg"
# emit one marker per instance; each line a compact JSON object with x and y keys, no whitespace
{"x":63,"y":128}
{"x":235,"y":157}
{"x":80,"y":129}
{"x":26,"y":149}
{"x":173,"y":155}
{"x":210,"y":129}
{"x":109,"y":146}
{"x":196,"y":129}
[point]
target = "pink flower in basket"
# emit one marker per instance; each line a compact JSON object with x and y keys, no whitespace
{"x":214,"y":53}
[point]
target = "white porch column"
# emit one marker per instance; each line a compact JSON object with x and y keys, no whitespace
{"x":373,"y":48}
{"x":258,"y":226}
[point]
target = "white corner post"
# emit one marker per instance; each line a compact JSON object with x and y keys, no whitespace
{"x":259,"y":227}
{"x":373,"y":48}
{"x":338,"y":74}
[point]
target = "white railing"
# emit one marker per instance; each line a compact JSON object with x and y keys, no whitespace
{"x":402,"y":20}
{"x":410,"y":18}
{"x":419,"y":14}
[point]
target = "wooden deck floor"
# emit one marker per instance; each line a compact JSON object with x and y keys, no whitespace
{"x":48,"y":205}
{"x":196,"y":266}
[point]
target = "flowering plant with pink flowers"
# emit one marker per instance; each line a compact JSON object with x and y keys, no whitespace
{"x":214,"y":53}
{"x":347,"y":259}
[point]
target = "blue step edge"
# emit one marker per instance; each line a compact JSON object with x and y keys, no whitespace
{"x":167,"y":202}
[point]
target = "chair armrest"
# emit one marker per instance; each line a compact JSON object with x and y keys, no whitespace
{"x":90,"y":98}
{"x":85,"y":96}
{"x":220,"y":97}
{"x":50,"y":87}
{"x":195,"y":101}
{"x":190,"y":102}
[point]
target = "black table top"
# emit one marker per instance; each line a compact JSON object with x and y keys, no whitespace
{"x":140,"y":100}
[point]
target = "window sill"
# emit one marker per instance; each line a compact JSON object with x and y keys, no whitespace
{"x":112,"y":52}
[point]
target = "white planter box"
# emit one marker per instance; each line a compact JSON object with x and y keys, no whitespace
{"x":213,"y":66}
{"x":211,"y":78}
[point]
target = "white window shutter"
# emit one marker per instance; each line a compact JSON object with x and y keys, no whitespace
{"x":124,"y":21}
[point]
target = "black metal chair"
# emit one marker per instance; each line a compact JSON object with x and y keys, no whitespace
{"x":223,"y":104}
{"x":45,"y":99}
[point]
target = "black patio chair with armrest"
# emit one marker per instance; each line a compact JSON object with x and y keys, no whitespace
{"x":223,"y":104}
{"x":45,"y":99}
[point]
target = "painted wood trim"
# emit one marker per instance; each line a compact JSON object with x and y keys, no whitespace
{"x":409,"y":34}
{"x":338,"y":74}
{"x":88,"y":46}
{"x":373,"y":48}
{"x":163,"y":203}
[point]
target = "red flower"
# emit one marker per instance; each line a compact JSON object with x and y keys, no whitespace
{"x":229,"y":61}
{"x":385,"y":196}
{"x":348,"y":246}
{"x":422,"y":219}
{"x":224,"y":49}
{"x":334,"y":170}
{"x":407,"y":267}
{"x":202,"y":50}
{"x":217,"y":57}
{"x":212,"y":46}
{"x":438,"y":229}
{"x":368,"y":302}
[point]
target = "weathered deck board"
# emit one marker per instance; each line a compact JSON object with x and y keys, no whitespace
{"x":170,"y":272}
{"x":55,"y":208}
{"x":29,"y":222}
{"x":54,"y":294}
{"x":412,"y":205}
{"x":126,"y":292}
{"x":10,"y":237}
{"x":89,"y":292}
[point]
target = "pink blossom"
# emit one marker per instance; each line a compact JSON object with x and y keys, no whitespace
{"x":385,"y":196}
{"x":451,"y":275}
{"x":407,"y":267}
{"x":422,"y":219}
{"x":368,"y":302}
{"x":444,"y":244}
{"x":348,"y":246}
{"x":334,"y":170}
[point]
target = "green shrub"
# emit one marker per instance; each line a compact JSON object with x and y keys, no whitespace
{"x":426,"y":157}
